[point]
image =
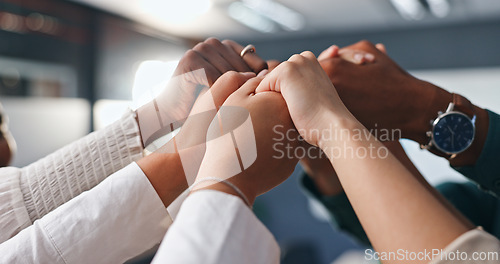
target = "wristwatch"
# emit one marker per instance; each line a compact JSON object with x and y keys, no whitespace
{"x":453,"y":131}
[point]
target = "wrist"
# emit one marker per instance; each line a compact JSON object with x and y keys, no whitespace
{"x":224,"y":186}
{"x":470,"y":155}
{"x":166,"y":175}
{"x":426,"y":104}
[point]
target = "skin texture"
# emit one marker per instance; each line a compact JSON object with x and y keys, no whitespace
{"x":378,"y":188}
{"x":217,"y":58}
{"x":372,"y":91}
{"x":164,"y":168}
{"x":267,"y":110}
{"x":175,"y":101}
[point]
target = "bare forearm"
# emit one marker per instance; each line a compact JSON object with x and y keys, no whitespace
{"x":396,"y":210}
{"x":165,"y":173}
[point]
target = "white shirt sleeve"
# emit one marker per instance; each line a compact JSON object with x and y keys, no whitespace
{"x":217,"y":228}
{"x":29,"y":193}
{"x":475,"y":246}
{"x":113,"y":222}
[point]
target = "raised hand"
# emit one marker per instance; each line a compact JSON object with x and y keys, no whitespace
{"x":217,"y":58}
{"x":253,"y":174}
{"x":308,"y":92}
{"x":373,"y":91}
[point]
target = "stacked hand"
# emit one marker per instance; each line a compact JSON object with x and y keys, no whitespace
{"x":268,"y":114}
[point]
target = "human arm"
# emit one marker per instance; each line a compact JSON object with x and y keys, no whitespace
{"x":117,"y":220}
{"x":197,"y":70}
{"x":365,"y":89}
{"x":320,"y":182}
{"x":395,"y":209}
{"x":31,"y":192}
{"x":214,"y":224}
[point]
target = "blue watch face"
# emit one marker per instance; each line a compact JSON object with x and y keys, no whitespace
{"x":453,"y":133}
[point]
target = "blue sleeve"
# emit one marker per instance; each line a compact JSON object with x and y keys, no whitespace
{"x":486,"y":171}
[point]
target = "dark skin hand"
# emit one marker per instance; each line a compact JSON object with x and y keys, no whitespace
{"x":217,"y":58}
{"x":164,"y":169}
{"x":373,"y":92}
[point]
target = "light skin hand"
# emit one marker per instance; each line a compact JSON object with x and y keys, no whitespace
{"x":164,"y":168}
{"x":267,"y":111}
{"x":396,"y":209}
{"x":320,"y":169}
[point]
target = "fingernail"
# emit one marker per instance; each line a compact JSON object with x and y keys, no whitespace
{"x":248,"y":74}
{"x":263,"y":73}
{"x":369,"y":57}
{"x":358,"y":57}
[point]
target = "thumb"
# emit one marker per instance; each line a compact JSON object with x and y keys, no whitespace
{"x":331,"y":52}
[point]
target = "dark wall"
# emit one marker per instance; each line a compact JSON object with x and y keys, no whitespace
{"x":70,"y":44}
{"x":451,"y":46}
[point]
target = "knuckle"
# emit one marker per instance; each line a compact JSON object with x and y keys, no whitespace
{"x":231,"y":75}
{"x":201,"y":47}
{"x":365,"y":43}
{"x":228,"y":42}
{"x":295,"y":57}
{"x":213,"y":41}
{"x":308,"y":54}
{"x":190,"y":54}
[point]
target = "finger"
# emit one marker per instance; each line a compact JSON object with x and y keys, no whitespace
{"x":210,"y":54}
{"x":356,"y":56}
{"x":309,"y":55}
{"x":249,"y":87}
{"x":331,"y":52}
{"x":192,"y":61}
{"x":227,"y":84}
{"x":228,"y":53}
{"x":271,"y":64}
{"x":271,"y":80}
{"x":381,"y":47}
{"x":253,"y":60}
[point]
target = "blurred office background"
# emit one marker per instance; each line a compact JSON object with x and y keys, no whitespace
{"x":70,"y":67}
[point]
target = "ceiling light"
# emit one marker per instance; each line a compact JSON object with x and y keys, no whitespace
{"x":286,"y":17}
{"x":247,"y":16}
{"x":409,"y":9}
{"x":439,"y":8}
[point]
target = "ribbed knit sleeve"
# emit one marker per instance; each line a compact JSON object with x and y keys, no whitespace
{"x":79,"y":166}
{"x":13,"y":214}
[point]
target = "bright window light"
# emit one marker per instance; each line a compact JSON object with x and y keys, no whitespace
{"x":150,"y":79}
{"x":176,"y":11}
{"x":108,"y":111}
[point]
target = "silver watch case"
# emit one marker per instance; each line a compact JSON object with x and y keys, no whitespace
{"x":449,"y":111}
